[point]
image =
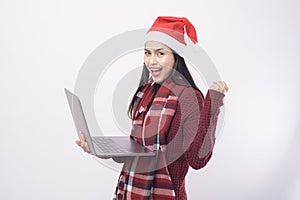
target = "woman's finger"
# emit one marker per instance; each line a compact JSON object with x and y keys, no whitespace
{"x":214,"y":86}
{"x":220,"y":86}
{"x":81,"y":136}
{"x":78,"y":142}
{"x":226,"y":86}
{"x":86,"y":148}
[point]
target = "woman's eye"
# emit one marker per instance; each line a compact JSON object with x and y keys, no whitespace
{"x":147,"y":53}
{"x":160,"y":53}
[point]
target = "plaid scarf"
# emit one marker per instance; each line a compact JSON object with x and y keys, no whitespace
{"x":148,"y":178}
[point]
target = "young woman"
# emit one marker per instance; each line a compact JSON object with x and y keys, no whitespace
{"x":169,"y":115}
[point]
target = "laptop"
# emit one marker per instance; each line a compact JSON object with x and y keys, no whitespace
{"x":103,"y":146}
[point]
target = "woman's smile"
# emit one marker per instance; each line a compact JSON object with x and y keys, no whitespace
{"x":155,"y":72}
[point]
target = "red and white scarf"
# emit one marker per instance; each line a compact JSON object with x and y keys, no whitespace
{"x":145,"y":178}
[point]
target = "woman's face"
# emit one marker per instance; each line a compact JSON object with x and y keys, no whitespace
{"x":159,"y":60}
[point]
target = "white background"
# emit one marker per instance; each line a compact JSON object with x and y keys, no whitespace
{"x":254,"y":44}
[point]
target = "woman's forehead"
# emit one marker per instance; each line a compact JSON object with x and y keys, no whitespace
{"x":154,"y":45}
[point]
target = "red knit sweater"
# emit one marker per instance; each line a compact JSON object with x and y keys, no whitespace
{"x":196,"y":135}
{"x":191,"y":138}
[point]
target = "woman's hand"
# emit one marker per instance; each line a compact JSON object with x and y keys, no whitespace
{"x":82,"y":143}
{"x":220,"y":86}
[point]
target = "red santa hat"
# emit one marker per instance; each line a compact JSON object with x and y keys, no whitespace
{"x":175,"y":32}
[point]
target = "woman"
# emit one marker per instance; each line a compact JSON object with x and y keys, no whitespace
{"x":170,"y":116}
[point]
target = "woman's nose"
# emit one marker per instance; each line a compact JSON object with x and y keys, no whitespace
{"x":153,"y":59}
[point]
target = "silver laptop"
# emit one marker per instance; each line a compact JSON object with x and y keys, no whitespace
{"x":103,"y":146}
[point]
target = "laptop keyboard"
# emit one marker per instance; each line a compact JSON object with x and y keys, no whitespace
{"x":108,"y":146}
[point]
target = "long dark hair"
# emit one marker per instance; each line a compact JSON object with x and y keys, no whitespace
{"x":180,"y":70}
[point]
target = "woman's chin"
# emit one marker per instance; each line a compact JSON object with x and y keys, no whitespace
{"x":157,"y":80}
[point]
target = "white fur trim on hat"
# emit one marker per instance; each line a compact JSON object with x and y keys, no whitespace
{"x":165,"y":39}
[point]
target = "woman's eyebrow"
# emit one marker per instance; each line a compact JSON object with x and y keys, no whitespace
{"x":159,"y":49}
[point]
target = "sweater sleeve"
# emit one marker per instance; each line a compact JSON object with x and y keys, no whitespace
{"x":199,"y":121}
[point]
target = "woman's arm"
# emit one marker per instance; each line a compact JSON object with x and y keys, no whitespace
{"x":199,"y":124}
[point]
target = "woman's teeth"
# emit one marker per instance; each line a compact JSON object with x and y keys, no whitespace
{"x":156,"y":72}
